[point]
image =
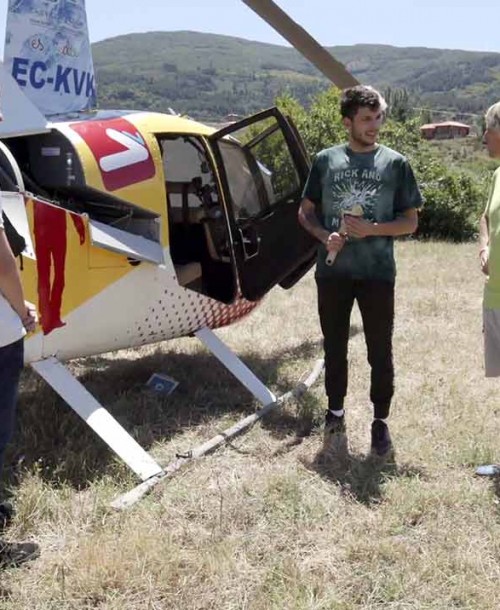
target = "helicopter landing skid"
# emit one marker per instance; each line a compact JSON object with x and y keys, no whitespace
{"x":96,"y":416}
{"x":131,"y":497}
{"x":120,"y":441}
{"x":235,"y":366}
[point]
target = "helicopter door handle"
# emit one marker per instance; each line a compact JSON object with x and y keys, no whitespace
{"x":250,"y":242}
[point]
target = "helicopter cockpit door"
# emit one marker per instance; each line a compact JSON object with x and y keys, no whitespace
{"x":263,"y":168}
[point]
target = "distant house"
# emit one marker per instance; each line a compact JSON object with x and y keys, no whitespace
{"x":445,"y":130}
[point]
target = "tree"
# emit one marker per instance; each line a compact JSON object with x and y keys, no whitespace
{"x":398,"y":104}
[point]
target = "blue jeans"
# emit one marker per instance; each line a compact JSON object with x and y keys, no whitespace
{"x":11,"y":364}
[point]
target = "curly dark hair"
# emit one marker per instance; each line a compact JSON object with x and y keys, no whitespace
{"x":358,"y":97}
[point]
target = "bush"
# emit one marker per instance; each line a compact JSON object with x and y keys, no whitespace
{"x":452,"y":208}
{"x":454,"y":200}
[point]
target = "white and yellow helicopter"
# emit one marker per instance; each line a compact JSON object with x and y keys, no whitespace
{"x":139,"y":226}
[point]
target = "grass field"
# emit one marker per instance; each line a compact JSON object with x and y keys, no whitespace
{"x":262,"y":524}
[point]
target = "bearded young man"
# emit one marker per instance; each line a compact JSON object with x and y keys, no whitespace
{"x":358,"y":197}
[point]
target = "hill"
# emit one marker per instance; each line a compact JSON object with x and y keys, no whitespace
{"x":209,"y":75}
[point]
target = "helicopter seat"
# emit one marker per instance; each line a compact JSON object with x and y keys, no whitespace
{"x":180,"y":196}
{"x":193,"y":215}
{"x":188,"y":274}
{"x":189,"y":223}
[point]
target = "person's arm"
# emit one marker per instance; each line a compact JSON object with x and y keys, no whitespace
{"x":405,"y":224}
{"x":484,"y":243}
{"x":484,"y":228}
{"x":309,"y":220}
{"x":10,"y":284}
{"x":308,"y":216}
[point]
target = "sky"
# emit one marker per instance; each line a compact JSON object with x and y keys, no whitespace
{"x":457,"y":24}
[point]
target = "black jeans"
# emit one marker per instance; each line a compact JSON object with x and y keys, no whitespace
{"x":11,"y":364}
{"x":375,"y":300}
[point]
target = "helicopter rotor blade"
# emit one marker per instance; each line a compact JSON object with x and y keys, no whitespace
{"x":303,"y":42}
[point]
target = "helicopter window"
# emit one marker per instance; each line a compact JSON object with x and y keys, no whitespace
{"x":260,"y":169}
{"x":244,"y":181}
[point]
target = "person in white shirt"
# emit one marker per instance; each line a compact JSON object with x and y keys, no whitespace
{"x":16,"y":318}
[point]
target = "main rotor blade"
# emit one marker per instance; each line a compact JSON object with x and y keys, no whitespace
{"x":303,"y":42}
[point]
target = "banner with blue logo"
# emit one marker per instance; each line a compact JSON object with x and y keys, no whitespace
{"x":47,"y":51}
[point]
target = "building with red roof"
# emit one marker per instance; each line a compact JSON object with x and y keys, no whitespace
{"x":444,"y":130}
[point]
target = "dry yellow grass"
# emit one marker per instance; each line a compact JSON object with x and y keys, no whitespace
{"x":260,"y":525}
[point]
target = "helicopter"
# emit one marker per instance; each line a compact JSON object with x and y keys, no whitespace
{"x":140,"y":227}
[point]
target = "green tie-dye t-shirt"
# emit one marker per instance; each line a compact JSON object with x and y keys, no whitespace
{"x":382,"y":183}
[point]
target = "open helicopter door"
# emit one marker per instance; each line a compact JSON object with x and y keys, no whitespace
{"x":263,"y":168}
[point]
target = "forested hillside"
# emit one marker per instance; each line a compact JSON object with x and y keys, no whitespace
{"x":210,"y":76}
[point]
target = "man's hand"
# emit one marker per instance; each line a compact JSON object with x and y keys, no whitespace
{"x":483,"y":258}
{"x":29,"y":319}
{"x":358,"y":227}
{"x":335,"y":242}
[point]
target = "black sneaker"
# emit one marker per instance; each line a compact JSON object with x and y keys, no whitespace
{"x":6,"y":515}
{"x":335,"y":437}
{"x":13,"y":554}
{"x":381,"y":439}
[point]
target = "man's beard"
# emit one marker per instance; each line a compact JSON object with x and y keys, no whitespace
{"x":361,"y":141}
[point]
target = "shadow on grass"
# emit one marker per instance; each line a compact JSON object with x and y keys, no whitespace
{"x":306,"y":416}
{"x":294,"y":424}
{"x":64,"y":450}
{"x":359,"y":476}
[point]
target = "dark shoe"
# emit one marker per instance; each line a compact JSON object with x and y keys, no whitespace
{"x":13,"y":554}
{"x":6,"y":515}
{"x":335,"y":437}
{"x":381,"y":439}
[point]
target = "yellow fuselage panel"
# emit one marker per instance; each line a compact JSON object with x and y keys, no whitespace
{"x":121,"y":156}
{"x":62,"y":278}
